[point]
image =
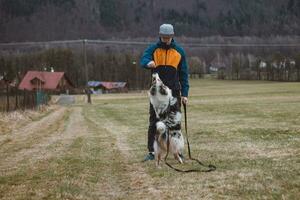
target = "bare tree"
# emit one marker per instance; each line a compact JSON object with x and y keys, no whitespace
{"x":196,"y":67}
{"x":236,"y":67}
{"x":297,"y":66}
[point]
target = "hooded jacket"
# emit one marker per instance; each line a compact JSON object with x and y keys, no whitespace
{"x":170,"y":64}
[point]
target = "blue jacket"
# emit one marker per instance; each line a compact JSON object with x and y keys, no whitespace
{"x":170,"y":64}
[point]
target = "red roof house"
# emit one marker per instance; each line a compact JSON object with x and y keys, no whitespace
{"x":45,"y":80}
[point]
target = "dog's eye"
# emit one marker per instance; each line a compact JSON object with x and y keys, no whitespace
{"x":163,"y":90}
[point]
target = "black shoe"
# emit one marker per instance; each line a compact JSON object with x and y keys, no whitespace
{"x":149,"y":156}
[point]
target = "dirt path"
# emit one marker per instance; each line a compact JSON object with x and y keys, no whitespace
{"x":30,"y":129}
{"x":51,"y":137}
{"x":140,"y":181}
{"x":24,"y":142}
{"x":32,"y":142}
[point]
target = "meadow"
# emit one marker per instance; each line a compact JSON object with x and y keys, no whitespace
{"x":249,"y":129}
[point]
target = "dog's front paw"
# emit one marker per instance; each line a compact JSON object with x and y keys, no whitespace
{"x":161,"y":127}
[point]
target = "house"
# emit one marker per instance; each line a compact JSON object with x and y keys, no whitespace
{"x":99,"y":87}
{"x":2,"y":84}
{"x":46,"y":81}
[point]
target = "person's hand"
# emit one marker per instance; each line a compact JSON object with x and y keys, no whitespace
{"x":151,"y":64}
{"x":184,"y":100}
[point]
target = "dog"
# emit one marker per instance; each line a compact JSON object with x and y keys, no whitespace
{"x":169,"y":124}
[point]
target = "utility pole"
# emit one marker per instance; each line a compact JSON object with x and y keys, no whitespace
{"x":136,"y":75}
{"x":85,"y":61}
{"x":7,"y":95}
{"x":87,"y":90}
{"x":240,"y":67}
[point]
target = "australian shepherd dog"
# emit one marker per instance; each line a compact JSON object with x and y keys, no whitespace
{"x":169,"y":124}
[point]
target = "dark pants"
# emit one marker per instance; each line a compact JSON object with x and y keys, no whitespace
{"x":153,"y":120}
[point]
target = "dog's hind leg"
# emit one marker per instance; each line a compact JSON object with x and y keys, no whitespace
{"x":178,"y":158}
{"x":157,"y":152}
{"x":158,"y":159}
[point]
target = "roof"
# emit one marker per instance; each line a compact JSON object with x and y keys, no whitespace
{"x":107,"y":85}
{"x":50,"y":80}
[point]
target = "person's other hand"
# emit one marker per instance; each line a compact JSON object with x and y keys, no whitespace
{"x":151,"y":64}
{"x":184,"y":100}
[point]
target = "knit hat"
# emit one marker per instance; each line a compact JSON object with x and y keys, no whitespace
{"x":166,"y":30}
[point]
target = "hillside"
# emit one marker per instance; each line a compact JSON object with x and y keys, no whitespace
{"x":40,"y":20}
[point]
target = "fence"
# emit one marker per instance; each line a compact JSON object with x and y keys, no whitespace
{"x":12,"y":99}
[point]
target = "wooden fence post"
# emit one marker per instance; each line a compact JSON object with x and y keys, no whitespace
{"x":24,"y":99}
{"x":7,"y":97}
{"x":16,"y":96}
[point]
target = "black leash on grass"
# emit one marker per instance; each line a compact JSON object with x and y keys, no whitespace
{"x":209,"y":167}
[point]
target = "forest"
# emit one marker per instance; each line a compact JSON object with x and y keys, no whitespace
{"x":44,"y":20}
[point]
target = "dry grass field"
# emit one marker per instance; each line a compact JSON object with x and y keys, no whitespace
{"x":249,"y":130}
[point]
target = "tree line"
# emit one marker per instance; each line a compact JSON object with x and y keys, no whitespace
{"x":274,"y":67}
{"x":104,"y":66}
{"x":42,"y":20}
{"x":116,"y":64}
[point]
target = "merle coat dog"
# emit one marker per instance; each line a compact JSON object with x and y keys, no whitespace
{"x":169,"y":124}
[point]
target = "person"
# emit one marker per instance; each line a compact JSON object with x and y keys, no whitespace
{"x":168,"y":59}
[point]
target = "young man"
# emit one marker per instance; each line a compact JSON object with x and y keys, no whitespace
{"x":167,"y":59}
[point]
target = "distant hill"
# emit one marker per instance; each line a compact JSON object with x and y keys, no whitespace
{"x":40,"y":20}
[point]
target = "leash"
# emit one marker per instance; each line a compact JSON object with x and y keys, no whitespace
{"x":209,"y":167}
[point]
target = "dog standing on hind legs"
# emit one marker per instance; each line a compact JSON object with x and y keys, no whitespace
{"x":168,"y":128}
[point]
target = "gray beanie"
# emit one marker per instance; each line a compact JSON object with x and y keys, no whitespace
{"x":166,"y":30}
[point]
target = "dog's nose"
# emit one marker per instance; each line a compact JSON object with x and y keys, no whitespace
{"x":154,"y":77}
